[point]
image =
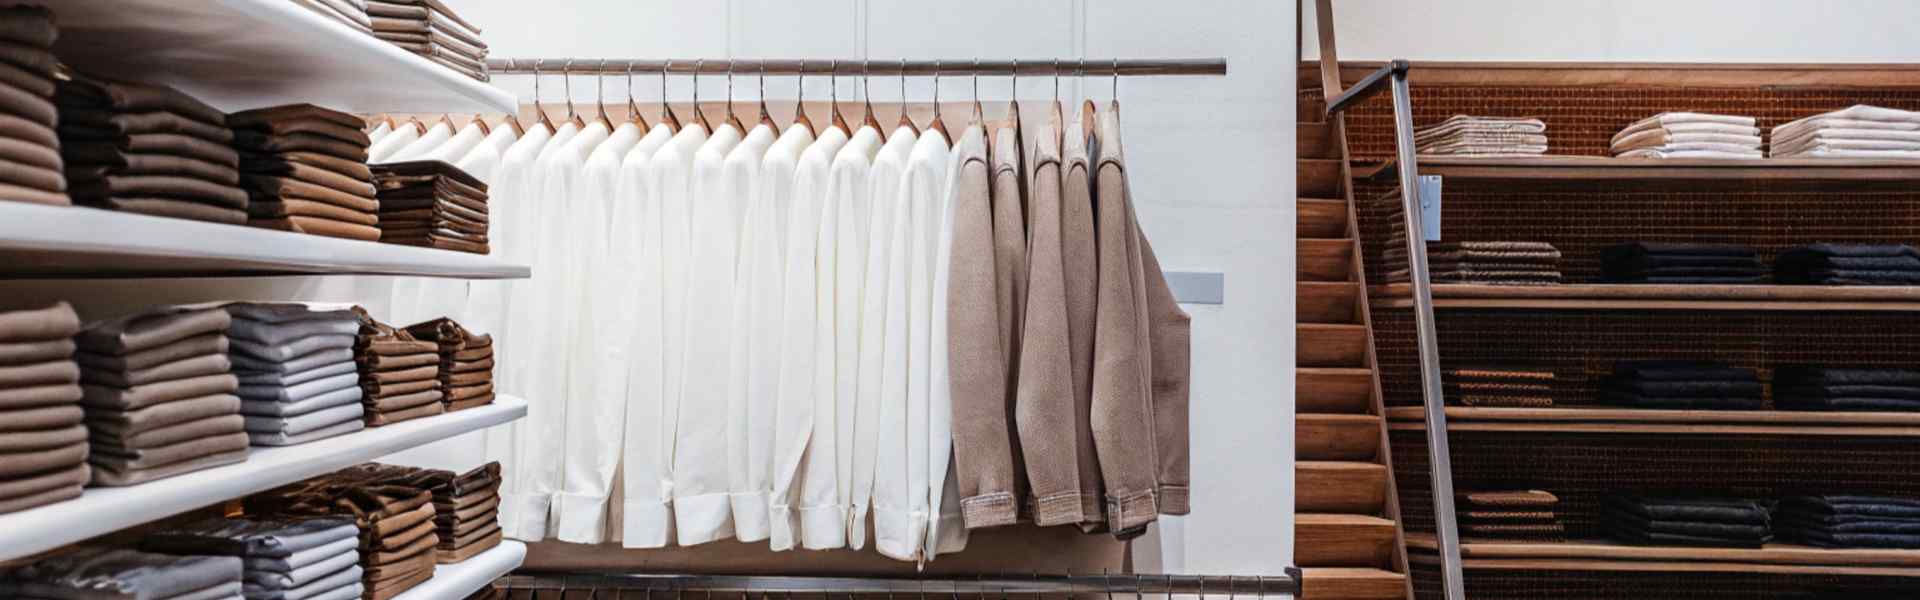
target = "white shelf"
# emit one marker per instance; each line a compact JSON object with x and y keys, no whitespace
{"x":242,"y":54}
{"x":104,"y":510}
{"x":457,"y":580}
{"x":73,"y":241}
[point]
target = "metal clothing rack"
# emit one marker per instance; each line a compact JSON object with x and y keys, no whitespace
{"x":1089,"y":67}
{"x":935,"y":588}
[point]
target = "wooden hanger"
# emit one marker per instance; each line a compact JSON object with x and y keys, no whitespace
{"x":418,"y":127}
{"x":866,"y":89}
{"x":766,"y":117}
{"x":937,"y":124}
{"x":905,"y":120}
{"x":519,"y":130}
{"x":732,"y":119}
{"x":799,"y":101}
{"x":666,"y":112}
{"x":1113,"y":102}
{"x":538,"y":109}
{"x":837,"y":119}
{"x":633,"y":108}
{"x":485,"y":129}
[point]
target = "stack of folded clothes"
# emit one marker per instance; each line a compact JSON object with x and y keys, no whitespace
{"x":1838,"y":521}
{"x":43,"y":444}
{"x":305,"y":559}
{"x":1681,"y":384}
{"x":1849,"y":264}
{"x":306,"y":169}
{"x":1682,"y":521}
{"x":466,"y":362}
{"x":1806,"y":387}
{"x":399,"y":375}
{"x":298,"y":381}
{"x":465,"y":505}
{"x":148,"y":149}
{"x":432,"y":203}
{"x":30,"y":163}
{"x":352,"y":13}
{"x":1484,"y":263}
{"x":430,"y":29}
{"x":1689,"y":135}
{"x":1854,"y":132}
{"x":1663,"y":262}
{"x":120,"y":574}
{"x":159,"y":397}
{"x":397,"y":537}
{"x":1500,"y":386}
{"x":1463,"y":135}
{"x":1530,"y":515}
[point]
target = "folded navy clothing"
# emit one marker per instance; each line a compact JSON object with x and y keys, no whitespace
{"x":1682,"y":370}
{"x":1638,"y":250}
{"x":1847,"y":277}
{"x":1665,"y":403}
{"x":1823,"y":251}
{"x":1685,"y":389}
{"x":1900,"y":392}
{"x":1649,"y":538}
{"x":1673,"y":508}
{"x":1846,"y":404}
{"x":1849,"y":264}
{"x":1655,"y":262}
{"x":1814,"y":375}
{"x":1700,"y":279}
{"x":1621,"y":520}
{"x":1894,"y":526}
{"x":1852,"y":505}
{"x":1705,"y":271}
{"x":1873,"y":263}
{"x":1828,"y":539}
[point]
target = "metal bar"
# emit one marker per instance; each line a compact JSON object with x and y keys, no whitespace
{"x":1439,"y":455}
{"x":1198,"y":287}
{"x":1368,"y":86}
{"x":1236,"y":585}
{"x":1090,"y":67}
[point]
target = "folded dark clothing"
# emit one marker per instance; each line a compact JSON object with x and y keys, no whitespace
{"x":1505,"y":401}
{"x":316,"y":175}
{"x":205,"y":364}
{"x":251,"y":537}
{"x":1848,"y":277}
{"x":350,"y":134}
{"x":262,"y":142}
{"x":159,"y":186}
{"x":1630,"y":400}
{"x":1901,"y":392}
{"x":108,"y":152}
{"x":1628,"y":251}
{"x":1831,"y":539}
{"x":105,"y":124}
{"x":1662,"y":388}
{"x":121,"y":460}
{"x":283,"y":188}
{"x":1648,"y":538}
{"x":37,"y":419}
{"x":281,"y":163}
{"x":404,"y":174}
{"x":1822,"y":251}
{"x":1508,"y":500}
{"x":34,"y":60}
{"x":159,"y":392}
{"x":121,"y":96}
{"x":440,"y":243}
{"x":1681,"y":370}
{"x":307,"y":209}
{"x":1509,"y":516}
{"x":1809,"y":375}
{"x":1852,"y":505}
{"x":1847,"y":404}
{"x":50,"y":372}
{"x":174,"y":209}
{"x":1693,"y":279}
{"x":1498,"y":389}
{"x":1714,"y":510}
{"x":1659,"y":262}
{"x":1870,"y":263}
{"x":156,"y":164}
{"x":28,"y":25}
{"x":1621,"y":520}
{"x":102,"y":573}
{"x":321,"y":227}
{"x":1746,"y":271}
{"x":1893,"y":526}
{"x":152,"y":328}
{"x":290,"y":112}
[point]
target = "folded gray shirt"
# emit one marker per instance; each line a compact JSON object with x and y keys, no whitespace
{"x":296,"y":377}
{"x":303,"y":558}
{"x":280,"y":333}
{"x":282,"y":439}
{"x":273,"y":408}
{"x":301,"y":391}
{"x":312,"y":591}
{"x":119,"y":574}
{"x":304,"y":575}
{"x":289,"y":350}
{"x":315,"y":420}
{"x":308,"y":362}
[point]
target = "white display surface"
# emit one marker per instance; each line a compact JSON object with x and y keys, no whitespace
{"x":71,"y":241}
{"x":457,"y":580}
{"x":105,"y":510}
{"x":243,"y":54}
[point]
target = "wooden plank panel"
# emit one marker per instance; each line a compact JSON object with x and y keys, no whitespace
{"x":1343,"y":583}
{"x":1324,"y":260}
{"x":1319,"y":177}
{"x":1317,"y":218}
{"x":1326,"y":302}
{"x":1628,"y":296}
{"x":1336,"y":540}
{"x":1315,"y":140}
{"x":1339,"y":487}
{"x":1319,"y":345}
{"x":1321,"y":390}
{"x":1595,"y":168}
{"x":1785,"y":554}
{"x":1336,"y":437}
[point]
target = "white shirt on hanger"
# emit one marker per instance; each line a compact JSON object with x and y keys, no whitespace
{"x":753,"y":366}
{"x":484,"y":159}
{"x":596,"y":411}
{"x":380,"y":130}
{"x":458,"y":146}
{"x":949,"y":533}
{"x":702,"y":487}
{"x":800,"y":509}
{"x":836,"y":333}
{"x":651,"y":418}
{"x":404,"y":134}
{"x":505,"y":197}
{"x":878,"y":425}
{"x":926,"y":186}
{"x":436,"y":135}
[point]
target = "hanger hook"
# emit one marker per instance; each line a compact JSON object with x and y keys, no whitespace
{"x":1116,"y":80}
{"x":665,"y":112}
{"x":600,"y":86}
{"x":1015,"y":94}
{"x":976,"y":81}
{"x":866,"y":93}
{"x":729,"y":89}
{"x":566,"y":79}
{"x":800,"y":91}
{"x":903,"y":86}
{"x":1056,"y":81}
{"x":833,"y":81}
{"x":763,"y":88}
{"x":632,"y":106}
{"x":936,"y":89}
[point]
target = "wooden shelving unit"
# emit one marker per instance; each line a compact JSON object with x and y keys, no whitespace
{"x":1676,"y":422}
{"x":1627,"y":296}
{"x":1604,"y":556}
{"x":1595,"y":168}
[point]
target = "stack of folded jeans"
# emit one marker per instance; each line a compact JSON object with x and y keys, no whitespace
{"x":466,"y":505}
{"x":1531,"y":515}
{"x":306,"y":169}
{"x":1484,"y":263}
{"x":1683,"y":385}
{"x":280,"y":559}
{"x":1805,"y":387}
{"x":298,"y":382}
{"x":43,"y":444}
{"x":433,"y":204}
{"x":397,"y":536}
{"x":1840,"y":521}
{"x":1500,"y":386}
{"x":1689,"y":135}
{"x":120,"y":574}
{"x":466,"y":362}
{"x":159,"y":397}
{"x":1464,"y":135}
{"x":1854,"y":132}
{"x":399,"y":375}
{"x":352,"y":13}
{"x":1663,"y":262}
{"x":1680,"y":521}
{"x":148,"y":149}
{"x":1849,"y":264}
{"x":430,"y":29}
{"x":30,"y":163}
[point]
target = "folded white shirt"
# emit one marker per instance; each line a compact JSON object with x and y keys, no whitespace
{"x":1741,"y":149}
{"x":1825,"y":152}
{"x":1805,"y":127}
{"x":1658,"y":137}
{"x":1660,"y":153}
{"x":1687,"y":121}
{"x":1843,"y":144}
{"x":1800,"y":138}
{"x":287,"y":580}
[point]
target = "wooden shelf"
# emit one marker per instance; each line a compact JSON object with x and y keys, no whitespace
{"x":1643,"y":421}
{"x":78,"y":242}
{"x":242,"y":54}
{"x":1594,"y":168}
{"x":1631,"y":296}
{"x":1603,"y":556}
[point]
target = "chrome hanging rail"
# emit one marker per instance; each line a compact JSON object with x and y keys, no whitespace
{"x":822,"y":66}
{"x":941,"y":588}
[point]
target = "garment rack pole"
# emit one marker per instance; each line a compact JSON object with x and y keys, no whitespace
{"x":1089,"y":67}
{"x":935,"y":587}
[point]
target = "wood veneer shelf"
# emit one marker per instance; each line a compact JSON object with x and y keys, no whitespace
{"x":1643,"y":421}
{"x":1595,"y":168}
{"x":1616,"y":296}
{"x":1603,"y":556}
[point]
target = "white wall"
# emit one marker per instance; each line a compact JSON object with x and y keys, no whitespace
{"x":1624,"y":30}
{"x":1211,"y":158}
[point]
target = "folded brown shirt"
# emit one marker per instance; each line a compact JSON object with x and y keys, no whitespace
{"x":122,"y":96}
{"x":374,"y":389}
{"x":470,"y":403}
{"x":142,"y":396}
{"x":466,"y":392}
{"x":15,"y":465}
{"x":56,"y":322}
{"x":271,"y":186}
{"x":379,"y":419}
{"x":39,"y":419}
{"x":400,"y":403}
{"x":107,"y":477}
{"x":156,"y":164}
{"x":171,"y":434}
{"x":29,"y":176}
{"x":206,"y":364}
{"x":394,"y":362}
{"x":285,"y":209}
{"x":262,"y":142}
{"x":152,"y":328}
{"x":51,"y":372}
{"x":293,"y":112}
{"x":124,"y":424}
{"x":128,"y":459}
{"x":44,"y":395}
{"x":280,"y":163}
{"x":439,"y":242}
{"x":346,"y":133}
{"x":20,"y":353}
{"x":159,"y":186}
{"x":323,"y":227}
{"x":402,"y":347}
{"x":172,"y":144}
{"x":106,"y":124}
